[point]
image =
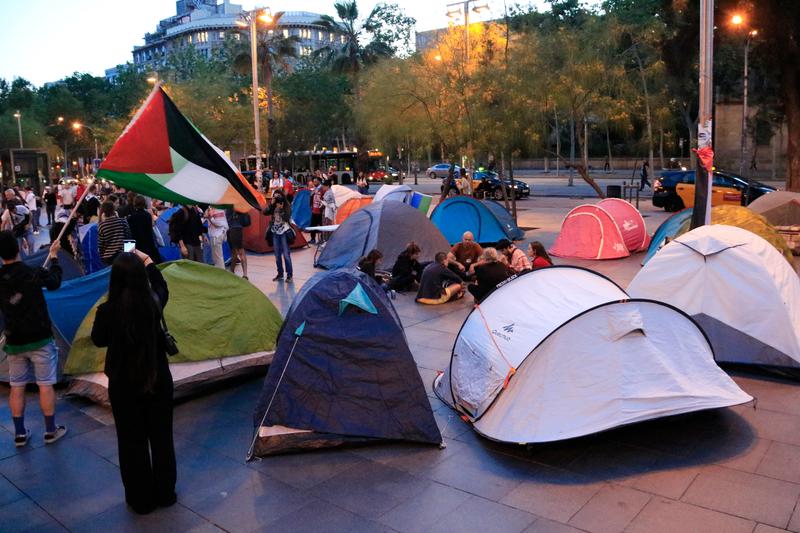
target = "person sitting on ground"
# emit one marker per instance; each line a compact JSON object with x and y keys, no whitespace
{"x":538,"y":255}
{"x":463,"y":255}
{"x":489,"y":273}
{"x":439,"y":284}
{"x":111,"y":233}
{"x":370,"y":265}
{"x":517,"y":259}
{"x":29,"y":338}
{"x":407,"y":270}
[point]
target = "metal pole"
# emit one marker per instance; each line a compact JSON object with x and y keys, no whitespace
{"x":19,"y":127}
{"x":256,"y":121}
{"x":701,"y":214}
{"x":743,"y":154}
{"x":466,"y":32}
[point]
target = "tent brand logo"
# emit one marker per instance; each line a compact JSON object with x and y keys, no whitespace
{"x":507,"y":329}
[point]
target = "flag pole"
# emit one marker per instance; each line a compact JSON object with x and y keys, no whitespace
{"x":701,"y":215}
{"x":71,"y":215}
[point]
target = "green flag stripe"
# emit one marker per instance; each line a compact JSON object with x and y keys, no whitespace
{"x":143,"y":184}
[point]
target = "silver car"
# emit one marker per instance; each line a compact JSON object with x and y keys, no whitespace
{"x":440,"y":171}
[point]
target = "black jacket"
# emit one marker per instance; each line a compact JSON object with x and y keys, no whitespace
{"x":141,"y":225}
{"x":488,"y":276}
{"x":105,"y":334}
{"x":186,"y":228}
{"x":434,"y":279}
{"x":22,"y":301}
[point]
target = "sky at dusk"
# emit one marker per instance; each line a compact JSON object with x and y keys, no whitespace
{"x":45,"y":40}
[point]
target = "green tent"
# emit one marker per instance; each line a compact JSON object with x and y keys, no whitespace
{"x":222,"y":324}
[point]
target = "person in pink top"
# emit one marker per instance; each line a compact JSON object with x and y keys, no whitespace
{"x":517,"y":259}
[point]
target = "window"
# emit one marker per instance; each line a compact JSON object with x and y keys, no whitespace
{"x":222,"y":36}
{"x":342,"y":39}
{"x":320,"y":36}
{"x":305,"y":51}
{"x":201,"y":37}
{"x":331,"y":37}
{"x":285,"y":33}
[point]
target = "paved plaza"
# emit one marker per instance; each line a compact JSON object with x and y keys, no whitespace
{"x":728,"y":470}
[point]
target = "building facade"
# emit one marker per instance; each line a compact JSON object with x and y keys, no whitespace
{"x":206,"y":24}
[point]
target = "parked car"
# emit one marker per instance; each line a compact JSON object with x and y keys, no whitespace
{"x":674,"y":190}
{"x":520,"y":188}
{"x":379,"y":174}
{"x":440,"y":171}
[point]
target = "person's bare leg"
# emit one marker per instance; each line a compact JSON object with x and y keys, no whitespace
{"x":47,"y":400}
{"x":16,"y":401}
{"x":243,"y":254}
{"x":234,"y":260}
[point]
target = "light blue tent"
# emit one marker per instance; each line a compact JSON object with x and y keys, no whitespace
{"x":90,"y":254}
{"x":301,"y":208}
{"x":667,"y":230}
{"x":171,"y":252}
{"x":488,"y":221}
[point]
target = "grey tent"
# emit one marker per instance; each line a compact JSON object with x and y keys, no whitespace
{"x":387,"y":226}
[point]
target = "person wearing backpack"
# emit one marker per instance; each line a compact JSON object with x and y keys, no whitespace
{"x":236,"y":224}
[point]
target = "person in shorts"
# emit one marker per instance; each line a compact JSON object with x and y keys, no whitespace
{"x":32,"y":353}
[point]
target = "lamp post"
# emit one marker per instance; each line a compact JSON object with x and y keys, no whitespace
{"x":251,"y":18}
{"x":701,"y":215}
{"x":739,"y":21}
{"x":18,"y":116}
{"x":456,"y":9}
{"x":77,"y":126}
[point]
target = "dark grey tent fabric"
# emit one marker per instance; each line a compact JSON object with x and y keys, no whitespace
{"x":387,"y":226}
{"x":733,"y":346}
{"x":351,"y":375}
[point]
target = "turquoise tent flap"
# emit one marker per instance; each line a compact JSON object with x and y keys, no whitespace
{"x":667,"y":230}
{"x":357,"y":297}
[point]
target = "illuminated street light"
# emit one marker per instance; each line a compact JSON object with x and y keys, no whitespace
{"x":437,"y":57}
{"x":737,"y":20}
{"x":18,"y":116}
{"x":152,"y":79}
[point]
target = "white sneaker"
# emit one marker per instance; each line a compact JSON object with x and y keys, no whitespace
{"x":50,"y":438}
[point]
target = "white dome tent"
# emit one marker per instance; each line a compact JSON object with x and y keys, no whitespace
{"x":575,"y":358}
{"x":737,"y":286}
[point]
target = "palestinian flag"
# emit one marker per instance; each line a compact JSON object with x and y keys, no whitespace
{"x":162,"y":155}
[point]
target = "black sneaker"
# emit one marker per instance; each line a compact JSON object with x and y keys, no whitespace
{"x":50,"y":438}
{"x":279,"y":277}
{"x":288,"y":278}
{"x":22,"y":440}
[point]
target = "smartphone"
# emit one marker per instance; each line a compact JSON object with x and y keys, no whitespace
{"x":128,"y":246}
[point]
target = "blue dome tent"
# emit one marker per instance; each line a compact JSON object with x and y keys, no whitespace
{"x":321,"y":392}
{"x":667,"y":230}
{"x":487,"y":220}
{"x":301,"y":208}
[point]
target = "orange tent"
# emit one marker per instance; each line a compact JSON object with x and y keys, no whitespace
{"x":351,"y":206}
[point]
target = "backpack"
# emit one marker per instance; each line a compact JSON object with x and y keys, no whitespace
{"x":244,"y":219}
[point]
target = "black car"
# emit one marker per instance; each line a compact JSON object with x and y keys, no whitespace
{"x":665,"y":195}
{"x":521,"y":189}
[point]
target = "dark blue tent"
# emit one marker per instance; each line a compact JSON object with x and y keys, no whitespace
{"x":667,"y":230}
{"x":488,"y":221}
{"x":301,"y":208}
{"x":90,"y":253}
{"x":325,"y":388}
{"x":386,"y":226}
{"x":70,"y":268}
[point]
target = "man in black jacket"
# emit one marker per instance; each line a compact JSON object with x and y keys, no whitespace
{"x":439,"y":284}
{"x":29,"y":337}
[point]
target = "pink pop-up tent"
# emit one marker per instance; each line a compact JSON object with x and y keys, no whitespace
{"x":610,"y":229}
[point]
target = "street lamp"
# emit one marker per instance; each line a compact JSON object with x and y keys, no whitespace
{"x":18,"y":116}
{"x":457,"y":9}
{"x":77,"y":126}
{"x":251,"y":18}
{"x":739,"y":21}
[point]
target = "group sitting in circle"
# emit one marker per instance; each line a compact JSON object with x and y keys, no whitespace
{"x":466,"y":267}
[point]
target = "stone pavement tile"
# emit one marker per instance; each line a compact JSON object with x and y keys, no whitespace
{"x":556,"y":454}
{"x":424,"y":509}
{"x":420,"y":335}
{"x":794,"y":523}
{"x":369,"y":490}
{"x":610,"y":510}
{"x":763,"y":528}
{"x":432,"y":358}
{"x":669,"y":516}
{"x":8,"y":492}
{"x":305,"y":470}
{"x":771,"y":425}
{"x":543,"y":525}
{"x":482,"y":472}
{"x":782,"y":461}
{"x":251,"y":505}
{"x":449,"y":323}
{"x":69,"y":482}
{"x":450,"y":423}
{"x":553,"y":494}
{"x":748,"y":459}
{"x":204,"y":474}
{"x":671,"y":483}
{"x":758,"y":498}
{"x":320,"y":516}
{"x":102,"y":441}
{"x":120,"y":519}
{"x":478,"y":514}
{"x":25,"y":516}
{"x":415,"y":459}
{"x":773,"y":393}
{"x":427,"y":375}
{"x":606,"y":461}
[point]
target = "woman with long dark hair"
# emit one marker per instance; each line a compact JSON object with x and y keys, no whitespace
{"x":538,"y":255}
{"x":139,"y":380}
